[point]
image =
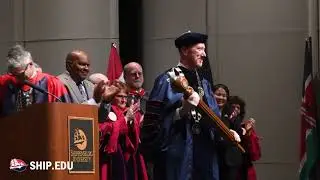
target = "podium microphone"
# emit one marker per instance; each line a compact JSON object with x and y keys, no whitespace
{"x":40,"y":89}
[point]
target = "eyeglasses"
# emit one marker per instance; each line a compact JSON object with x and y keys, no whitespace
{"x":18,"y":71}
{"x":121,"y":96}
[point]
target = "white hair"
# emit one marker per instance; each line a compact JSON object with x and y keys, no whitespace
{"x":97,"y":77}
{"x":18,"y":57}
{"x":128,"y":66}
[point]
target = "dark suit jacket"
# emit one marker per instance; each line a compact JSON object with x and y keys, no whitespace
{"x":232,"y":157}
{"x":73,"y":89}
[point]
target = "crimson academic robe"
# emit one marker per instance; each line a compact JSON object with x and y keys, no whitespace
{"x":119,"y":148}
{"x":9,"y":87}
{"x":251,"y":142}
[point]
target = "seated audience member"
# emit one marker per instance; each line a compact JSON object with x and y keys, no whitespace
{"x":16,"y":94}
{"x":119,"y":141}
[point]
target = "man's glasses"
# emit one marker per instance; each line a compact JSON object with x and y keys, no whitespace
{"x":18,"y":71}
{"x":121,"y":96}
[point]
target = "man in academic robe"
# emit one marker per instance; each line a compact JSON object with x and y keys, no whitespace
{"x":189,"y":147}
{"x":16,"y":94}
{"x":133,"y":76}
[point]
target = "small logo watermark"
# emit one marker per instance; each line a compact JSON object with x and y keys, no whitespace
{"x":19,"y":165}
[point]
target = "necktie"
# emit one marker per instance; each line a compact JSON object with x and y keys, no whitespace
{"x":83,"y":91}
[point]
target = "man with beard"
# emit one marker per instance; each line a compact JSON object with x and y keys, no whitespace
{"x":189,"y":147}
{"x":133,"y":76}
{"x":16,"y":94}
{"x":80,"y":90}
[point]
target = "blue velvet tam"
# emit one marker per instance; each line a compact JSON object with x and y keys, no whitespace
{"x":190,"y":38}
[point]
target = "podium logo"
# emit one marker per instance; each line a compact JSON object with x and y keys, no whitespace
{"x":80,"y":139}
{"x":18,"y":165}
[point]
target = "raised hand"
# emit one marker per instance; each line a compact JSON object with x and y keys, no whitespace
{"x":130,"y":112}
{"x":248,"y":124}
{"x":98,"y":91}
{"x":110,"y":90}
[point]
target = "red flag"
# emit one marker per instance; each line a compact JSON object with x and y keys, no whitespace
{"x":115,"y":70}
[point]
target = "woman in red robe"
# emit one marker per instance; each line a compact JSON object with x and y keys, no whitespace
{"x":251,"y":143}
{"x":120,"y":158}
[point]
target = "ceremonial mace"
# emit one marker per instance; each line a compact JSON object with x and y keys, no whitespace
{"x":180,"y":84}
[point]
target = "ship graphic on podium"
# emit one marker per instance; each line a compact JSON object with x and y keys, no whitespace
{"x":80,"y":139}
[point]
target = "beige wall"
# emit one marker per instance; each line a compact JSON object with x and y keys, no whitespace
{"x":51,"y":29}
{"x":257,"y":49}
{"x":7,"y":35}
{"x":260,"y":54}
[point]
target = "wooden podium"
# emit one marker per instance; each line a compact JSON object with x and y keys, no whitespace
{"x":50,"y":132}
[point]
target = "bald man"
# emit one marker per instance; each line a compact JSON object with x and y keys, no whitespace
{"x":98,"y":77}
{"x":79,"y":88}
{"x":133,"y":76}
